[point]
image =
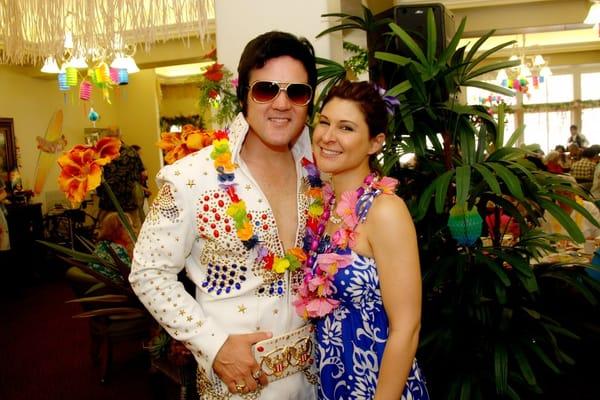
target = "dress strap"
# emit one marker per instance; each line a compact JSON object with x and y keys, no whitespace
{"x":365,"y":201}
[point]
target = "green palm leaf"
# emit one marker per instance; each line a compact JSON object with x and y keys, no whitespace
{"x":409,"y":42}
{"x":513,"y":183}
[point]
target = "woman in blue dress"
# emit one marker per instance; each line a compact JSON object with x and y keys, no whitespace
{"x":362,"y":286}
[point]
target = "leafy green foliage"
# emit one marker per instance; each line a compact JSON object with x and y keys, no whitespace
{"x":217,"y":92}
{"x":359,"y":62}
{"x":486,"y":329}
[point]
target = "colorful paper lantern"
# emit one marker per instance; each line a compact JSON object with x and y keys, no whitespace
{"x":97,"y":76}
{"x":71,"y":76}
{"x":123,"y":76}
{"x":114,"y":75}
{"x":62,"y":82}
{"x":85,"y":90}
{"x":105,"y":72}
{"x":465,"y":225}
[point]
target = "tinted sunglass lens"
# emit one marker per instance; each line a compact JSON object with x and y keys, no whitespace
{"x":264,"y":91}
{"x":299,"y":93}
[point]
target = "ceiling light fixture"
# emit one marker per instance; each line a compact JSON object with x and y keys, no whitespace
{"x":533,"y":69}
{"x":33,"y":30}
{"x":593,"y":16}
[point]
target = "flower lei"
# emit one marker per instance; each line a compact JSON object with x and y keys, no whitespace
{"x":294,"y":257}
{"x":314,"y":292}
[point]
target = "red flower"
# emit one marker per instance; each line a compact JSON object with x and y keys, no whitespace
{"x":214,"y":72}
{"x":212,"y":93}
{"x":221,"y":135}
{"x":312,"y":224}
{"x":268,"y":260}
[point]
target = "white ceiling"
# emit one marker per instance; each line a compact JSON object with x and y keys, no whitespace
{"x":541,"y":26}
{"x":458,"y":4}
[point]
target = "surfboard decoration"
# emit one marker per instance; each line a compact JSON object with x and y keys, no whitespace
{"x":50,"y":145}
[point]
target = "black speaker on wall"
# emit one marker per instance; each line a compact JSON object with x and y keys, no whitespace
{"x":413,"y":19}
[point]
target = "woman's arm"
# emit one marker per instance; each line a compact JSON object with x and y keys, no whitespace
{"x":393,"y":239}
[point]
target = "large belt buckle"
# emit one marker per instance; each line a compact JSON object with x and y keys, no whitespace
{"x":287,"y":354}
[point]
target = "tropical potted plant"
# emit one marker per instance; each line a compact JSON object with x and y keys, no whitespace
{"x":487,"y":331}
{"x":101,"y":280}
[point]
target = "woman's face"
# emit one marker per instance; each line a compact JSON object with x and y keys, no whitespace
{"x":341,"y":140}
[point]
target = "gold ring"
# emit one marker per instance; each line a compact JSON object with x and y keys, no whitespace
{"x":256,"y":374}
{"x":240,"y":386}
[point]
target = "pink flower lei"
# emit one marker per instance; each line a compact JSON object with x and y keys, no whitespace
{"x":314,"y":293}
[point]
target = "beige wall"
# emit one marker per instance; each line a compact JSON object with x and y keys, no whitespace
{"x":238,"y":21}
{"x":182,"y":100}
{"x":179,"y":100}
{"x":137,"y":117}
{"x":523,"y":16}
{"x":31,"y":102}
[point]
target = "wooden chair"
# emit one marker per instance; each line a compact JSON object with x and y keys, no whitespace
{"x":106,"y":330}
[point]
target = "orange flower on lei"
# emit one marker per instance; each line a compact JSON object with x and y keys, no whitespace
{"x":81,"y":167}
{"x":179,"y":144}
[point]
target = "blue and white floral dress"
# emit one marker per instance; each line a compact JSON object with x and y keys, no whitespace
{"x":352,"y":338}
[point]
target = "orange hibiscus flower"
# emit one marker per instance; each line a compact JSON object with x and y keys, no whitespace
{"x":178,"y":145}
{"x":81,"y":167}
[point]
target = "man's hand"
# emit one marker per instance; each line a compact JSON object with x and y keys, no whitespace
{"x":235,"y":364}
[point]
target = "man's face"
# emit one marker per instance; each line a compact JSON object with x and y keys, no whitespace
{"x":278,"y":122}
{"x":573,"y":131}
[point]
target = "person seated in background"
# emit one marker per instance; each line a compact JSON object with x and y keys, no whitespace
{"x":583,"y":170}
{"x":574,"y":154}
{"x":589,"y":230}
{"x":112,"y":235}
{"x":508,"y":225}
{"x":595,"y":190}
{"x":122,"y":175}
{"x":563,"y":161}
{"x":141,"y":190}
{"x":535,"y":154}
{"x":577,"y":138}
{"x":552,"y":161}
{"x":4,"y":238}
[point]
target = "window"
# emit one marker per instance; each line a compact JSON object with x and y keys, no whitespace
{"x":547,"y":129}
{"x":551,"y":107}
{"x":590,"y":117}
{"x":487,"y":98}
{"x":590,"y":82}
{"x":554,"y":89}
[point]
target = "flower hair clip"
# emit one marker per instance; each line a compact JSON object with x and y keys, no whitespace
{"x":391,"y":102}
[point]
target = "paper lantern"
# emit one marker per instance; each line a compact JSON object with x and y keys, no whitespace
{"x":114,"y":75}
{"x":62,"y":82}
{"x":105,"y":72}
{"x":85,"y":90}
{"x":71,"y":76}
{"x":123,"y":76}
{"x":465,"y":225}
